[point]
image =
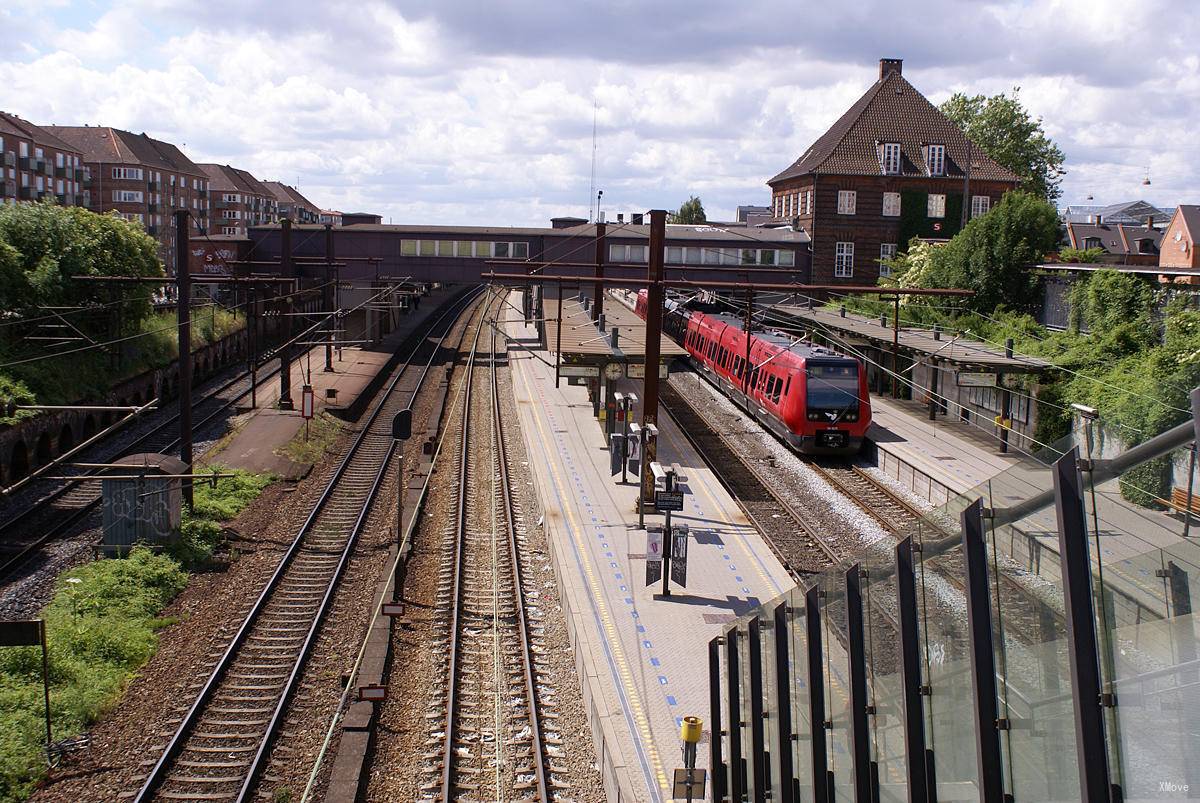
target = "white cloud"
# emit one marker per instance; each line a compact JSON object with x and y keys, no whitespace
{"x":455,"y":112}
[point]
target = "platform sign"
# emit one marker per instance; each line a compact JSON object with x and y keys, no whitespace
{"x":976,"y":379}
{"x":654,"y":555}
{"x":668,"y":500}
{"x":679,"y":551}
{"x":306,"y":402}
{"x":615,"y":441}
{"x":579,"y":370}
{"x":638,"y":370}
{"x":689,"y":784}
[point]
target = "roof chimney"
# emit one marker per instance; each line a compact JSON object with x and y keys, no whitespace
{"x":890,"y":66}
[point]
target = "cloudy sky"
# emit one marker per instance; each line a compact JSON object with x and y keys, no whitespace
{"x":460,"y":111}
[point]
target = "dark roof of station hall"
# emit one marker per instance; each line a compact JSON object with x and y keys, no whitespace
{"x":615,"y":231}
{"x":892,"y":110}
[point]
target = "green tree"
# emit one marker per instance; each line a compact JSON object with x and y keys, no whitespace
{"x":993,"y":255}
{"x":1080,"y":256}
{"x":692,"y":211}
{"x":43,"y":245}
{"x":1009,"y":134}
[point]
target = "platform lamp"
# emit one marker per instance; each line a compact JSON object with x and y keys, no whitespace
{"x":401,"y":431}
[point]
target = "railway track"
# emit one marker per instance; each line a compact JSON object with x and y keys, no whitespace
{"x":63,"y":507}
{"x":893,"y":512}
{"x":491,"y":737}
{"x":219,"y":748}
{"x":799,"y":546}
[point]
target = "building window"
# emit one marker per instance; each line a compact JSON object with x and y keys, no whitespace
{"x":133,"y":173}
{"x":778,"y":206}
{"x":229,"y":230}
{"x":808,"y":202}
{"x":886,"y":251}
{"x":766,"y":257}
{"x":428,"y":248}
{"x":674,"y":254}
{"x":445,"y":248}
{"x":936,"y":159}
{"x":891,"y":204}
{"x":1092,"y":242}
{"x":23,"y":147}
{"x":936,"y":206}
{"x":749,"y":256}
{"x":692,"y":255}
{"x":847,"y":200}
{"x":843,"y":266}
{"x":890,"y":158}
{"x":787,"y":258}
{"x":980,"y":204}
{"x":408,"y":248}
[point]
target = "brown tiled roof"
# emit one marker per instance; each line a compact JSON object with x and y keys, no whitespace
{"x":16,"y":126}
{"x":287,"y":194}
{"x":1114,"y":239}
{"x":892,"y":110}
{"x":1191,"y":218}
{"x":115,"y":146}
{"x":225,"y":178}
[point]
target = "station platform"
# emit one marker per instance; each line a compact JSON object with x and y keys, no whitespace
{"x":945,"y":459}
{"x":266,"y":428}
{"x":642,"y":659}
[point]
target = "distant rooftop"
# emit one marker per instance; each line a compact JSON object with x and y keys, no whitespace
{"x":1128,"y":212}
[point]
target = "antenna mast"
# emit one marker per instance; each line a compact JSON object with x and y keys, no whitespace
{"x":592,"y":185}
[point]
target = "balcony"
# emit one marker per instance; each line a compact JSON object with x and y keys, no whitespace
{"x":61,"y":197}
{"x":7,"y":189}
{"x":153,"y":186}
{"x":78,"y":173}
{"x":25,"y":162}
{"x":87,"y":179}
{"x":10,"y":159}
{"x":152,"y":208}
{"x":83,"y":199}
{"x":41,"y":166}
{"x":26,"y":194}
{"x":152,"y":230}
{"x":60,"y":172}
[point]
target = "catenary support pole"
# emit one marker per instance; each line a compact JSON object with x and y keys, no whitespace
{"x":285,"y":351}
{"x":183,"y":306}
{"x":558,"y":338}
{"x":252,"y":342}
{"x":896,"y":347}
{"x":654,"y":311}
{"x":1005,"y":400}
{"x":327,"y":296}
{"x":598,"y":291}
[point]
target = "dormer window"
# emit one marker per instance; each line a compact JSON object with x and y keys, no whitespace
{"x":935,"y":159}
{"x":889,"y":158}
{"x":1092,"y":242}
{"x":1145,"y":246}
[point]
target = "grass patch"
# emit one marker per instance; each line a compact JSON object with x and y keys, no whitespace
{"x":101,"y":626}
{"x":323,"y":431}
{"x":200,"y":531}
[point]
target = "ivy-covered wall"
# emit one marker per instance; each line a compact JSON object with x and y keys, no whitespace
{"x":915,"y":222}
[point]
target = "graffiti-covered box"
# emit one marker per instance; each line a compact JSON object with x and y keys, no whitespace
{"x":141,"y":501}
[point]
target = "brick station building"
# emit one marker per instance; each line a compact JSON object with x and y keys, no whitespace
{"x":891,"y":168}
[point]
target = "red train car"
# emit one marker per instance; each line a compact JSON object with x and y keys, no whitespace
{"x":813,"y":398}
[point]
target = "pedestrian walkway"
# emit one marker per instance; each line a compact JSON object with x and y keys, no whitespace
{"x":642,"y":659}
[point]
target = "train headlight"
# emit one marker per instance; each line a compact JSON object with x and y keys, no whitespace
{"x":814,"y":417}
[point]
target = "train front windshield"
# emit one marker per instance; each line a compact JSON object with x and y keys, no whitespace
{"x":832,"y":388}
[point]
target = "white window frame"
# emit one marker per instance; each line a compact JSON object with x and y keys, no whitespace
{"x":935,"y":207}
{"x":891,"y":204}
{"x":935,"y":159}
{"x":889,"y":158}
{"x":127,"y":196}
{"x":785,"y":257}
{"x":229,"y":229}
{"x":843,"y":261}
{"x":808,"y":202}
{"x":980,"y":205}
{"x":886,"y":251}
{"x":127,"y":173}
{"x":847,"y":202}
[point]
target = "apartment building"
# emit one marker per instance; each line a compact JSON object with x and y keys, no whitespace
{"x":893,"y":167}
{"x":292,"y":205}
{"x":239,"y":200}
{"x":35,"y":164}
{"x":141,"y":178}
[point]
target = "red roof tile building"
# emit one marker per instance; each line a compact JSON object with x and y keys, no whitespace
{"x":1180,"y":247}
{"x":893,"y":167}
{"x":141,"y":178}
{"x":36,"y":164}
{"x":239,"y":200}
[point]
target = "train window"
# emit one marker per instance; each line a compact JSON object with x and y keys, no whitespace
{"x":787,"y":386}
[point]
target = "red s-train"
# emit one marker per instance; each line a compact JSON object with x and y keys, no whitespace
{"x":813,"y":398}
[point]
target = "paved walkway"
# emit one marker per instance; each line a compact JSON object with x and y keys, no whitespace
{"x":643,"y":660}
